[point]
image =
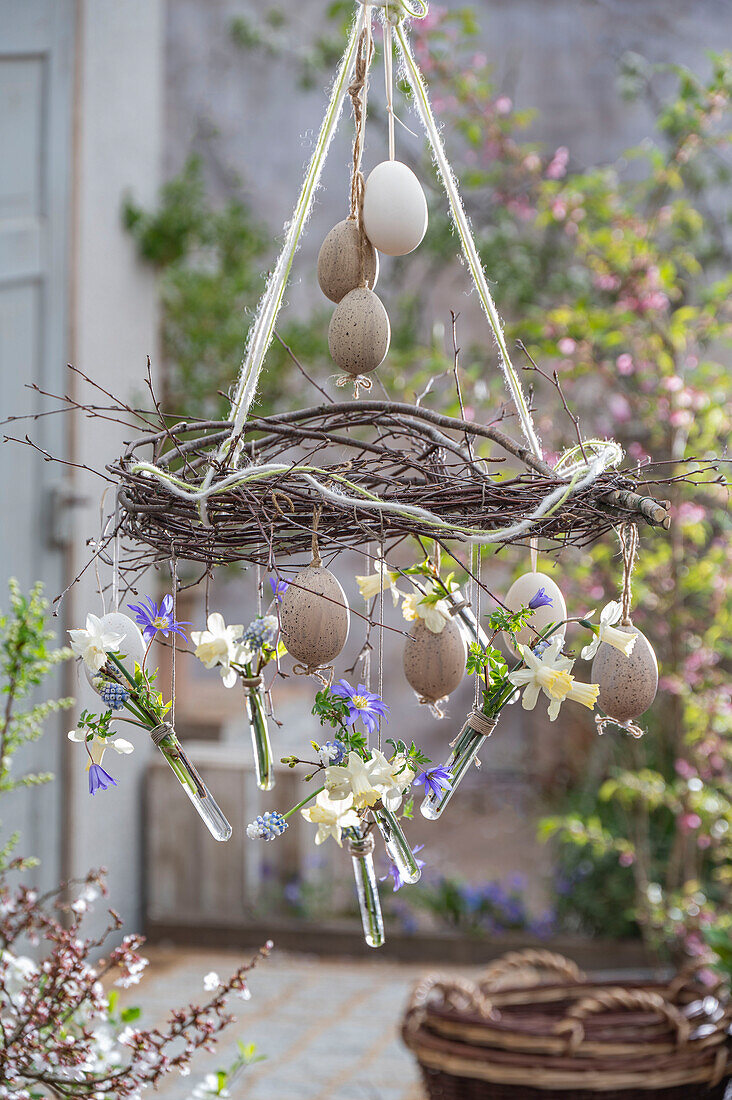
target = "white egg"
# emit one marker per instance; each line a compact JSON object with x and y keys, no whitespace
{"x":394,"y":208}
{"x":132,"y":645}
{"x":520,"y":594}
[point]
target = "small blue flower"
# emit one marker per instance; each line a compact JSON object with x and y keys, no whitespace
{"x":540,"y":600}
{"x":268,"y":826}
{"x":114,"y":695}
{"x":394,"y":870}
{"x":541,"y":646}
{"x":99,"y":780}
{"x":153,"y":617}
{"x":261,"y":632}
{"x":279,"y":587}
{"x":362,"y":704}
{"x":434,"y":781}
{"x":332,"y":752}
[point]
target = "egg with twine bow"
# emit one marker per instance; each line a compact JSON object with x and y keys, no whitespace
{"x":359,"y":332}
{"x":541,"y":589}
{"x":394,"y":208}
{"x":314,"y":616}
{"x":434,"y":664}
{"x":628,"y":685}
{"x":339,"y":261}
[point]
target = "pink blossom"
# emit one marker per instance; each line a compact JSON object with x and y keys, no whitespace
{"x":681,"y":418}
{"x":624,"y":363}
{"x":684,"y":769}
{"x":532,"y":162}
{"x":689,"y":822}
{"x":688,"y":512}
{"x":566,"y":345}
{"x":673,"y":383}
{"x":503,"y":105}
{"x":619,"y":407}
{"x":557,"y":167}
{"x":626,"y":859}
{"x":479,"y":61}
{"x":703,"y":841}
{"x":606,"y":282}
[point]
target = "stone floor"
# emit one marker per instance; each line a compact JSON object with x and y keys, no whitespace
{"x":329,"y":1029}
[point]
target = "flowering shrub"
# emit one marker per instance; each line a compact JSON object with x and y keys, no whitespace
{"x":63,"y":1034}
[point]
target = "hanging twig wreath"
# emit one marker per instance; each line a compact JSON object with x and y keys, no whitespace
{"x":412,"y":473}
{"x":362,"y":475}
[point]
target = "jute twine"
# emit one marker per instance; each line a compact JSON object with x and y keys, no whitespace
{"x":159,"y":733}
{"x":478,"y":721}
{"x":628,"y":538}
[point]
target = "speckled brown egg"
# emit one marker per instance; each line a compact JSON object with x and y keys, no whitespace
{"x":434,"y":664}
{"x":359,"y":332}
{"x":628,"y":685}
{"x":339,"y":261}
{"x":314,"y":617}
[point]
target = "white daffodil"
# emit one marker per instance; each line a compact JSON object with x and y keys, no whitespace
{"x":433,"y":612}
{"x":391,"y":777}
{"x":331,"y":815}
{"x":550,"y":673}
{"x":607,"y":632}
{"x":382,"y":579}
{"x":219,"y":645}
{"x":357,"y":778}
{"x":98,"y":745}
{"x":94,"y":643}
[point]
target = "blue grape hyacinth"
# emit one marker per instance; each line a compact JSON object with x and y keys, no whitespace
{"x":267,"y":826}
{"x":114,"y":695}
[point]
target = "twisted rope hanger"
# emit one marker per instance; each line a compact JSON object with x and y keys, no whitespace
{"x":262,"y":329}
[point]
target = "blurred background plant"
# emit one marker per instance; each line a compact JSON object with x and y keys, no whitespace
{"x":612,"y":276}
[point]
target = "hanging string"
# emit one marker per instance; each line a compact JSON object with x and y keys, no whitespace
{"x":389,"y":79}
{"x":628,"y":538}
{"x":173,"y":636}
{"x":358,"y":91}
{"x":534,"y":553}
{"x":115,"y":556}
{"x":381,"y":629}
{"x":317,"y":561}
{"x":474,"y":597}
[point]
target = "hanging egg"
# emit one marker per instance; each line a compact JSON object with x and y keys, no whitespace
{"x":522,"y":592}
{"x":394,"y":208}
{"x":132,"y":645}
{"x":314,"y":617}
{"x":434,"y":664}
{"x":359,"y":332}
{"x":628,"y":685}
{"x":339,"y":261}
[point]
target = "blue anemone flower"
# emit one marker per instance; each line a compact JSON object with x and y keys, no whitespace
{"x":361,"y":704}
{"x":434,"y":781}
{"x":99,"y":780}
{"x":153,"y":617}
{"x":540,"y":600}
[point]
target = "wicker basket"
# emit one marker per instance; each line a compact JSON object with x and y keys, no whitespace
{"x":533,"y":1027}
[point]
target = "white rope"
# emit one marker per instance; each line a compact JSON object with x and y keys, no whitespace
{"x":578,"y":477}
{"x":421,"y":99}
{"x":262,"y":328}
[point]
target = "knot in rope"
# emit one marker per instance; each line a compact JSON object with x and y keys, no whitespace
{"x":396,"y":10}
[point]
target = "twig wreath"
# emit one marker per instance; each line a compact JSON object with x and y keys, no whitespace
{"x":363,"y":475}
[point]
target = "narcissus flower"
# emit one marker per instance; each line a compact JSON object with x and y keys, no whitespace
{"x":429,"y":607}
{"x":607,"y":632}
{"x":94,"y":643}
{"x":550,"y":673}
{"x":218,"y":645}
{"x":382,"y":579}
{"x":332,"y":816}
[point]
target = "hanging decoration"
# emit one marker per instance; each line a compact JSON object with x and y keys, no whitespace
{"x":282,"y":490}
